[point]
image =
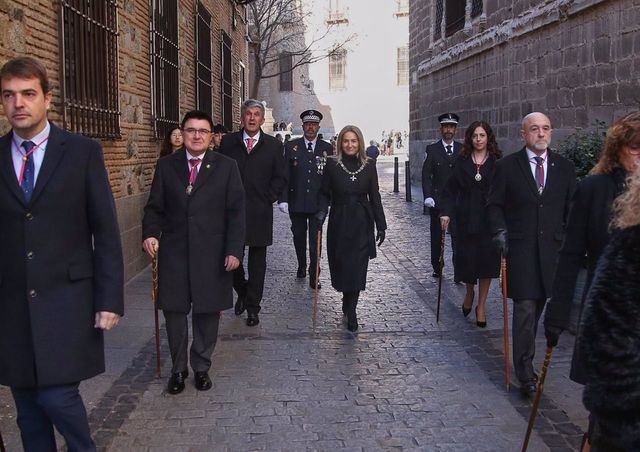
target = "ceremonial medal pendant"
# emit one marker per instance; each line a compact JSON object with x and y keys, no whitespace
{"x":478,"y":177}
{"x":189,"y":188}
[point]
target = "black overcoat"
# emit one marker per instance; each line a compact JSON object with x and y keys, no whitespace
{"x":195,"y":231}
{"x":609,"y":339}
{"x":587,"y":233}
{"x":355,"y":207}
{"x":534,"y":222}
{"x":304,"y":175}
{"x":60,"y":263}
{"x":263,"y":176}
{"x":465,"y":199}
{"x":436,"y":170}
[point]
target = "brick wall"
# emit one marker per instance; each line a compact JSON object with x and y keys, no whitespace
{"x":575,"y":61}
{"x":29,"y":27}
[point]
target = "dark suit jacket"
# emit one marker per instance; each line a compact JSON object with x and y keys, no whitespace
{"x":303,"y":175}
{"x":436,"y":170}
{"x":264,"y":177}
{"x":73,"y":267}
{"x":196,"y":231}
{"x":534,"y":223}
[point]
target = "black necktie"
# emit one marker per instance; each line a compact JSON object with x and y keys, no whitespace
{"x":449,"y":150}
{"x":309,"y":147}
{"x":29,"y":170}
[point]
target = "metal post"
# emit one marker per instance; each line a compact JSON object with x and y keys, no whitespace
{"x":396,"y":176}
{"x":407,"y":180}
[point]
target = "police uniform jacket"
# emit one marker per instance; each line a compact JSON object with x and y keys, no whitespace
{"x":60,"y":263}
{"x":436,"y":170}
{"x":196,"y":231}
{"x":304,"y":171}
{"x":263,"y":176}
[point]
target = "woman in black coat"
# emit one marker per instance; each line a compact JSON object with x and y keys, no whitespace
{"x":465,"y":196}
{"x":350,"y":187}
{"x":609,"y":337}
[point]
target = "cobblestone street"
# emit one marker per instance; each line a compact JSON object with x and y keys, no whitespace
{"x":402,"y":382}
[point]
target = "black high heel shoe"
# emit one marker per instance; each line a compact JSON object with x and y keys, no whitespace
{"x":478,"y":322}
{"x":465,"y":311}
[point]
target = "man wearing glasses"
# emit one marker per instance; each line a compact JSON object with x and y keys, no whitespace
{"x":261,"y":163}
{"x":194,"y":223}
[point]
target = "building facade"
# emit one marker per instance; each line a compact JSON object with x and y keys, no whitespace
{"x":362,"y":73}
{"x":497,"y":60}
{"x":125,"y":71}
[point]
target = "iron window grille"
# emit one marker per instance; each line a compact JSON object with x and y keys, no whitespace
{"x":454,"y":16}
{"x":226,"y":81}
{"x":338,"y":69}
{"x":165,"y":80}
{"x":88,"y":34}
{"x":204,"y":72}
{"x":437,"y":30}
{"x":476,"y":8}
{"x":286,"y":76}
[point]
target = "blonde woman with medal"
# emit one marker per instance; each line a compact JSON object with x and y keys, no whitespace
{"x":350,"y":187}
{"x":464,"y":197}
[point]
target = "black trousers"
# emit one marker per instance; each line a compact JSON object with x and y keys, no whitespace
{"x":301,"y":224}
{"x":251,"y":288}
{"x":436,"y":239}
{"x":526,"y":314}
{"x":205,"y":336}
{"x":40,"y":409}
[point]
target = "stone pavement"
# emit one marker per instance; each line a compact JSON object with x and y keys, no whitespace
{"x":402,"y":382}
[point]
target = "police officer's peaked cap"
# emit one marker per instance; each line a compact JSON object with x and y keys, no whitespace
{"x":311,"y":116}
{"x":449,"y":118}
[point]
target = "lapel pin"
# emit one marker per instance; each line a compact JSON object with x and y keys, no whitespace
{"x":208,"y":165}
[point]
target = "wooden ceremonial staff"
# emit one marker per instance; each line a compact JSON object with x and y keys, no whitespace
{"x":536,"y":401}
{"x":315,"y":294}
{"x":154,"y":297}
{"x":444,"y":231}
{"x":505,"y":310}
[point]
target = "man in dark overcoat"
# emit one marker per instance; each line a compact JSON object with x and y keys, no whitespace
{"x":261,"y":164}
{"x":194,"y":219}
{"x":527,"y":207}
{"x":305,"y":159}
{"x":436,"y":170}
{"x":62,"y":274}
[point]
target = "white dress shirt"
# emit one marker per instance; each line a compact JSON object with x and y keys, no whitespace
{"x":38,"y":154}
{"x":245,"y":136}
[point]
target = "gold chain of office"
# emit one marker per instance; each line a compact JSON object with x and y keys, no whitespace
{"x":353,"y":174}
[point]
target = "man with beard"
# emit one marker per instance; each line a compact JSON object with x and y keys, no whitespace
{"x":305,"y":159}
{"x":261,"y":164}
{"x":436,"y":170}
{"x":527,"y":207}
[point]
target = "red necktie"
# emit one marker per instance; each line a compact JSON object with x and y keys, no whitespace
{"x":539,"y":173}
{"x":250,"y":142}
{"x":194,"y":170}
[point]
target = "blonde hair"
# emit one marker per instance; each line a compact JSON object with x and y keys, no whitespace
{"x":626,"y":208}
{"x":362,"y":155}
{"x":622,"y":132}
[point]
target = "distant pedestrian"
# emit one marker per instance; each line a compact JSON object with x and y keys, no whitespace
{"x":588,"y":228}
{"x":465,"y":198}
{"x":350,"y":188}
{"x":61,"y":259}
{"x":279,"y":138}
{"x":172,"y":142}
{"x":219,"y":131}
{"x":305,"y":159}
{"x":262,"y":167}
{"x":436,"y":170}
{"x":527,"y":206}
{"x":372,"y":151}
{"x":609,"y":335}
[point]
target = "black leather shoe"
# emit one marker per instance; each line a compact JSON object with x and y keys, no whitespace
{"x":176,"y":382}
{"x":239,"y":307}
{"x":312,"y":284}
{"x":302,"y":272}
{"x":252,"y":319}
{"x":202,"y":380}
{"x":528,"y":389}
{"x":435,"y":274}
{"x":352,"y":325}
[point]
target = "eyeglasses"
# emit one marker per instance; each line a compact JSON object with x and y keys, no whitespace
{"x":176,"y":135}
{"x":191,"y":131}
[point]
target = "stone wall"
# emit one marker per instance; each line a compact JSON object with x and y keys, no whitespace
{"x":31,"y":28}
{"x":576,"y":60}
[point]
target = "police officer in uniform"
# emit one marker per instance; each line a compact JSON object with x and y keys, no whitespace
{"x":436,"y":170}
{"x":305,"y":158}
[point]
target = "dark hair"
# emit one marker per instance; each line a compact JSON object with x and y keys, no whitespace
{"x":197,"y":114}
{"x":622,"y":132}
{"x":26,"y":68}
{"x":166,"y":147}
{"x":219,"y":128}
{"x":492,"y":145}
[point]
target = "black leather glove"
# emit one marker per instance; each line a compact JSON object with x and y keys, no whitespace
{"x":318,"y":219}
{"x":380,"y":237}
{"x":500,"y":242}
{"x":552,"y":333}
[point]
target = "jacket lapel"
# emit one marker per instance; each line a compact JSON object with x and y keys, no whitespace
{"x":552,"y":173}
{"x":523,"y":162}
{"x":181,"y":166}
{"x":52,"y":156}
{"x":7,"y":171}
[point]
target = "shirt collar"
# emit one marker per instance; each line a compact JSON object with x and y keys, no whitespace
{"x":191,"y":156}
{"x":313,"y":143}
{"x":445,"y":144}
{"x":531,"y":155}
{"x":36,"y":139}
{"x":245,"y":136}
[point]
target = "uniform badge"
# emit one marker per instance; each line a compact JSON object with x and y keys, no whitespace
{"x":321,"y":163}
